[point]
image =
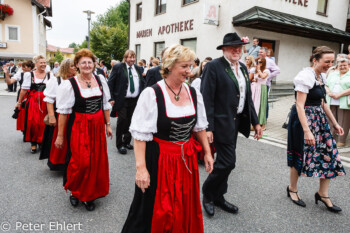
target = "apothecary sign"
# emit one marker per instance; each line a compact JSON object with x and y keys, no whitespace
{"x":211,"y":13}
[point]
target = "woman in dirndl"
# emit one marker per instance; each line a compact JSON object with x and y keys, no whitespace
{"x":258,"y":77}
{"x":56,"y":157}
{"x":85,"y":99}
{"x":27,"y":67}
{"x":167,"y":194}
{"x":312,"y":150}
{"x":32,"y":88}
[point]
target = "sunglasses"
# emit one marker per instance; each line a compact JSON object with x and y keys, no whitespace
{"x":260,"y":62}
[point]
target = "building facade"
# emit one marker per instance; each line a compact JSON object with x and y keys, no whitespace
{"x":23,"y":34}
{"x":51,"y":52}
{"x":292,"y":28}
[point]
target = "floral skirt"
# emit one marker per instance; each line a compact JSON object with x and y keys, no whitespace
{"x":321,"y":160}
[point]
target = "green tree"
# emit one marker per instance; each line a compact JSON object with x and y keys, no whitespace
{"x":73,"y":45}
{"x":58,"y":56}
{"x":109,"y":33}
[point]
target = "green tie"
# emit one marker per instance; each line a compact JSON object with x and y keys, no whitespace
{"x":131,"y":79}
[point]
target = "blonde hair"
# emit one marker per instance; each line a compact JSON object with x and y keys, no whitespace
{"x":155,"y":61}
{"x":37,"y":58}
{"x":174,"y":54}
{"x":252,"y":60}
{"x":65,"y":68}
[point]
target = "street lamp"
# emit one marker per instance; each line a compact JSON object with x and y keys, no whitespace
{"x":89,"y":13}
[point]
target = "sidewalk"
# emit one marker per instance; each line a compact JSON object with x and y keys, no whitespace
{"x":3,"y":86}
{"x":276,"y":134}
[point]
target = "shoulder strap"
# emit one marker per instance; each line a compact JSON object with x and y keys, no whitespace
{"x":75,"y":86}
{"x":22,"y":77}
{"x":48,"y":75}
{"x":101,"y":87}
{"x":59,"y":80}
{"x":194,"y":97}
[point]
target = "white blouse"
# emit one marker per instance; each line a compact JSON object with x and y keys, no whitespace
{"x":27,"y":80}
{"x":51,"y":90}
{"x":17,"y":76}
{"x":305,"y":80}
{"x":65,"y":98}
{"x":144,"y":120}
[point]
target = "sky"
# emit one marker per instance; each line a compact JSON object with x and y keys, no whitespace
{"x":69,"y":23}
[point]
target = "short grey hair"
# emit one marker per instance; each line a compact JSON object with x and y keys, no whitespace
{"x":265,"y":49}
{"x":341,"y":57}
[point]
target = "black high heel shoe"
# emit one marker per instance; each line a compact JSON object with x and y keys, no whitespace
{"x":298,"y":202}
{"x":89,"y":205}
{"x":334,"y":208}
{"x":33,"y":150}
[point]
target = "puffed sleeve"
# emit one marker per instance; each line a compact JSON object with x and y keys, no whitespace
{"x":202,"y":122}
{"x":65,"y":98}
{"x":144,"y":120}
{"x":17,"y":76}
{"x":106,"y":93}
{"x":27,"y":81}
{"x":51,"y":90}
{"x":304,"y":81}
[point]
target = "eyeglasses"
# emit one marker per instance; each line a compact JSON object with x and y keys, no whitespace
{"x":89,"y":63}
{"x":260,"y":62}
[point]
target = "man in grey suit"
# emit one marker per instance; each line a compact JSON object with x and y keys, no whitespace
{"x":228,"y":102}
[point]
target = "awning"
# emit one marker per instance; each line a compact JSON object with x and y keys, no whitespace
{"x":269,"y":20}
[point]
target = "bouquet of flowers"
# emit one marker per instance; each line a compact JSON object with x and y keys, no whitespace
{"x":5,"y":9}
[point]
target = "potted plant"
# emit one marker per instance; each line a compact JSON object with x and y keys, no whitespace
{"x":5,"y":10}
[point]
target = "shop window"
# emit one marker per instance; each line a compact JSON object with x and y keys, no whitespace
{"x":12,"y":33}
{"x":138,"y":12}
{"x":160,"y":6}
{"x":190,"y":43}
{"x":138,"y":51}
{"x":322,"y":7}
{"x":185,"y":2}
{"x":158,"y":47}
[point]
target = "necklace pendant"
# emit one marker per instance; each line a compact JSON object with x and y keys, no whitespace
{"x":177,"y":97}
{"x":89,"y":85}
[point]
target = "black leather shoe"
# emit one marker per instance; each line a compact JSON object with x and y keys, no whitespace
{"x":227,"y":206}
{"x":333,"y":208}
{"x":129,"y":147}
{"x":298,"y":202}
{"x":74,"y":201}
{"x":208,"y":206}
{"x":89,"y":205}
{"x":122,"y":150}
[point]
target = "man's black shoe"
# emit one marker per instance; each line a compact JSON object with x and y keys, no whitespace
{"x":122,"y":150}
{"x":129,"y":147}
{"x":208,"y":206}
{"x":227,"y":206}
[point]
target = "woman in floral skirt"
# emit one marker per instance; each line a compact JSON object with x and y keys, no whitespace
{"x":312,"y":150}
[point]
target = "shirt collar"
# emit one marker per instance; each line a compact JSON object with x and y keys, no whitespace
{"x":127,"y":66}
{"x":231,"y":64}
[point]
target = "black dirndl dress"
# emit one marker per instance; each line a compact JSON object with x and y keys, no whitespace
{"x":323,"y":159}
{"x":172,"y":201}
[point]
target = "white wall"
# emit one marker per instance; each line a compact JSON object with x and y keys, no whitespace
{"x":293,"y":52}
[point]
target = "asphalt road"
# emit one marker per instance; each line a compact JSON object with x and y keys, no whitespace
{"x":32,"y":196}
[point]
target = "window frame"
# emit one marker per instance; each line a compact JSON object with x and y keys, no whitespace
{"x":137,"y":5}
{"x":324,"y":13}
{"x":7,"y":33}
{"x":138,"y":54}
{"x":156,"y":8}
{"x":155,"y":47}
{"x":190,"y":3}
{"x":189,"y":39}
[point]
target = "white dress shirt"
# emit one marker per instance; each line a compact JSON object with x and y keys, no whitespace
{"x":136,"y":82}
{"x":241,"y":84}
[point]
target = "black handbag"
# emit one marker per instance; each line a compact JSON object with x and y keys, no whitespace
{"x":285,"y":124}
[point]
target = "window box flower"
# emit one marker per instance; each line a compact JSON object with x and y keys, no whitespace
{"x":5,"y":10}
